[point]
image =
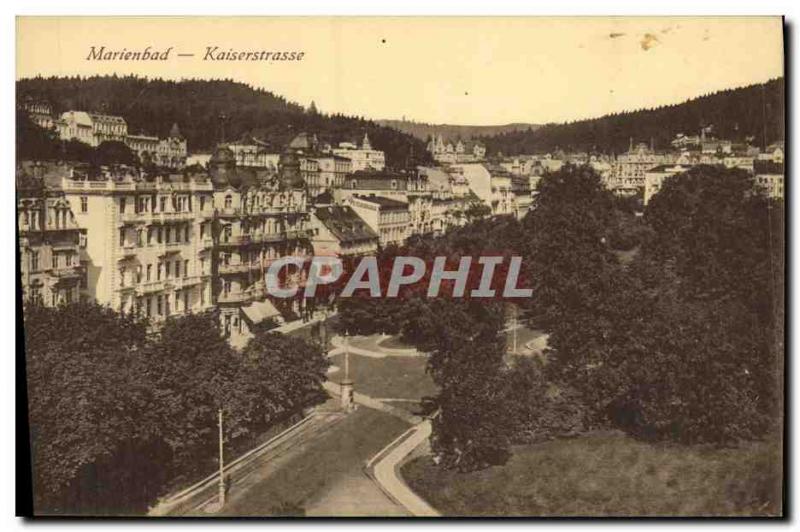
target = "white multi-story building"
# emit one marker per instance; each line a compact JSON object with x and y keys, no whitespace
{"x":149,"y":244}
{"x":362,"y":158}
{"x":91,"y":128}
{"x":491,"y":186}
{"x":389,"y":218}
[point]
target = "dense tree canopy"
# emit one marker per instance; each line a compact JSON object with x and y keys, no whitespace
{"x":116,"y":413}
{"x":684,"y":342}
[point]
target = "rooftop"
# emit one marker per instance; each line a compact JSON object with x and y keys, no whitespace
{"x":384,"y":203}
{"x":344,"y":223}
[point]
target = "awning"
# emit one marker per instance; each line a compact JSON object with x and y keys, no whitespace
{"x":259,"y":311}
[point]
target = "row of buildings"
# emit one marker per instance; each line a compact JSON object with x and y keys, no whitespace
{"x":641,"y":170}
{"x":170,"y":244}
{"x":95,"y":128}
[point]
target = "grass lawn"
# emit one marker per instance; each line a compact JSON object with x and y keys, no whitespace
{"x":609,"y":475}
{"x":396,"y":377}
{"x":320,"y":462}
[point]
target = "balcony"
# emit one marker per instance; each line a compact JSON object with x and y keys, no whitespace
{"x":235,"y":240}
{"x":233,"y":297}
{"x":155,"y":217}
{"x":233,"y":268}
{"x":150,"y":287}
{"x":66,"y":272}
{"x":228,"y":212}
{"x":270,"y":237}
{"x":297,"y":234}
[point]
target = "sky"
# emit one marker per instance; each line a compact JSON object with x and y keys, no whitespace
{"x":455,"y":70}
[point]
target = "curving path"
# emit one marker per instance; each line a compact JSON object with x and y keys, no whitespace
{"x":385,"y":470}
{"x":384,"y":465}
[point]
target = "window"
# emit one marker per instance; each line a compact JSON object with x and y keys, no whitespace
{"x":122,"y":236}
{"x":55,"y":260}
{"x":186,"y":268}
{"x":34,"y":260}
{"x":160,"y":305}
{"x":162,"y":204}
{"x":169,"y":234}
{"x":186,"y":233}
{"x":158,"y":272}
{"x":186,"y":300}
{"x":149,"y":272}
{"x":139,"y":237}
{"x":228,"y":201}
{"x":84,"y":204}
{"x":35,"y":294}
{"x":122,"y":205}
{"x":177,"y":268}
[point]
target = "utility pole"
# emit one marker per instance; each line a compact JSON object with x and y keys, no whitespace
{"x":347,"y":384}
{"x":515,"y":329}
{"x":221,"y":464}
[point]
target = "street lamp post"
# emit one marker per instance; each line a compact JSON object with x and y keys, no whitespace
{"x":221,"y":463}
{"x":347,"y":384}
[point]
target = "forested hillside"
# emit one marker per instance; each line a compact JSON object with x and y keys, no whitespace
{"x":755,"y":111}
{"x":207,"y":110}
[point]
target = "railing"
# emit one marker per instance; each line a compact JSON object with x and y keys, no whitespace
{"x":63,"y":272}
{"x":234,"y":268}
{"x":149,"y":287}
{"x":233,"y":297}
{"x":74,"y":185}
{"x":235,"y":240}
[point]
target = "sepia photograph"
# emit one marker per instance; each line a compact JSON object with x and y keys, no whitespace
{"x":400,"y":267}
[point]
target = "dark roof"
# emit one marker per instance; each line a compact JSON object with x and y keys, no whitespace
{"x":767,"y":167}
{"x":385,"y":203}
{"x":344,"y":223}
{"x":377,"y":174}
{"x":325,"y":198}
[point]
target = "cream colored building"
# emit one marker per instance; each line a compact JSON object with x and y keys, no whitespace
{"x":389,"y":218}
{"x":257,"y":222}
{"x":91,"y":128}
{"x":362,"y":158}
{"x":51,"y":246}
{"x":491,"y":186}
{"x":149,"y":244}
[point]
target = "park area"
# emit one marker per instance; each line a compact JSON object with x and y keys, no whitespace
{"x":610,"y":474}
{"x":385,"y":368}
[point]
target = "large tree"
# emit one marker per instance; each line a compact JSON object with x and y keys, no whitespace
{"x":89,"y":408}
{"x":472,"y":429}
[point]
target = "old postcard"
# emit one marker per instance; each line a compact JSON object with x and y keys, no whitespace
{"x":402,"y":267}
